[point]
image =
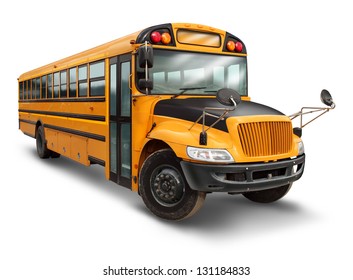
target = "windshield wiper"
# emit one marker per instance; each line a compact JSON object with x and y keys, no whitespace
{"x":185,"y":89}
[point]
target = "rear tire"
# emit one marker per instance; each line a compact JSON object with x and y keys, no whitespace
{"x":164,"y":190}
{"x":41,"y":144}
{"x":268,"y":196}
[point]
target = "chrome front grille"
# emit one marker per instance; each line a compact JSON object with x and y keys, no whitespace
{"x":265,"y":138}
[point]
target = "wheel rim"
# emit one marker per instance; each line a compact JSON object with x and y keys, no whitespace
{"x":167,"y":186}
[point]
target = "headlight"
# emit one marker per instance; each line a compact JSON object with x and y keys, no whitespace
{"x":300,"y":148}
{"x":211,"y":155}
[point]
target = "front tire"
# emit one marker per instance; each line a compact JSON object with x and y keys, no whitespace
{"x":164,"y":189}
{"x":268,"y":196}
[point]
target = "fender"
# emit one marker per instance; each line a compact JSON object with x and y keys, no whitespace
{"x":178,"y":135}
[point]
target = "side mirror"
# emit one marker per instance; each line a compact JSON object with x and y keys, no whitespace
{"x":147,"y":84}
{"x":326,"y":98}
{"x":145,"y":56}
{"x":145,"y":60}
{"x":227,"y":96}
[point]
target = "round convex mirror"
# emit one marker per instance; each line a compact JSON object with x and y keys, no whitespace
{"x":326,"y":97}
{"x":225,"y":96}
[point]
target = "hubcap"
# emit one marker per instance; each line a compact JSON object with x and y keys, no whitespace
{"x":167,"y":186}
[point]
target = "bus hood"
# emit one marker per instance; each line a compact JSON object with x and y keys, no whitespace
{"x":191,"y":109}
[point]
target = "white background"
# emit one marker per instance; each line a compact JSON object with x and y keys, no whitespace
{"x":61,"y":220}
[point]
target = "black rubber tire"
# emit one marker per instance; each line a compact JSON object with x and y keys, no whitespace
{"x":164,"y":189}
{"x":41,"y":144}
{"x":268,"y":196}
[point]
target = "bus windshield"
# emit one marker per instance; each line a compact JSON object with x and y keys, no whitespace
{"x":181,"y":72}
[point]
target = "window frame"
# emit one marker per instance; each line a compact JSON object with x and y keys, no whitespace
{"x":75,"y":82}
{"x":83,"y":81}
{"x":63,"y":86}
{"x":50,"y":86}
{"x":43,"y":88}
{"x":97,"y":79}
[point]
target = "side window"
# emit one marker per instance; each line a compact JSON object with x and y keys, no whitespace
{"x":32,"y":88}
{"x":113,"y":88}
{"x":26,"y":90}
{"x":37,"y":88}
{"x":72,"y":90}
{"x":125,"y":90}
{"x":97,"y":80}
{"x":82,"y":81}
{"x":56,"y":84}
{"x":63,"y":84}
{"x":50,"y":85}
{"x":20,"y":89}
{"x":44,"y":87}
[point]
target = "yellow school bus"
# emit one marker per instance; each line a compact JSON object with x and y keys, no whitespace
{"x":166,"y":111}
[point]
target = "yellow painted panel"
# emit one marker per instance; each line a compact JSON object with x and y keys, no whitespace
{"x":28,"y":128}
{"x":52,"y":140}
{"x":79,"y":149}
{"x":64,"y":143}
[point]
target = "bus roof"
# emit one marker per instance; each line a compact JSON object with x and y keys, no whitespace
{"x":115,"y":47}
{"x":128,"y":43}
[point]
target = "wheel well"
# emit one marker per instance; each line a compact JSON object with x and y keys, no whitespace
{"x":151,"y":147}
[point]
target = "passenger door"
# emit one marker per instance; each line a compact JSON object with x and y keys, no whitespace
{"x":120,"y":120}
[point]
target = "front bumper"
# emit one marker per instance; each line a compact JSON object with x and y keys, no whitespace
{"x":242,"y":177}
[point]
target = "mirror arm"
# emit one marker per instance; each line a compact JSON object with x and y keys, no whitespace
{"x":301,"y":119}
{"x":219,"y":118}
{"x":203,"y":134}
{"x":313,"y":110}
